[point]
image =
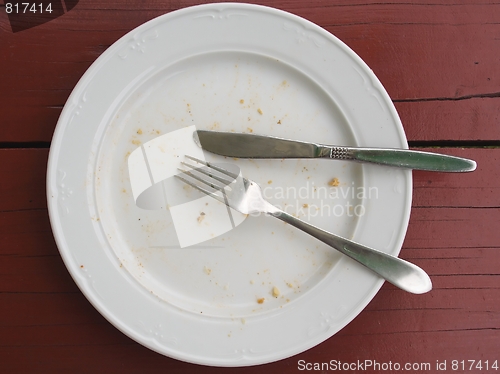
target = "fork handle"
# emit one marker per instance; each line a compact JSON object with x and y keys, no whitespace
{"x":399,"y":272}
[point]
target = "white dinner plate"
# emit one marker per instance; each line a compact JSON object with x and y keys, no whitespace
{"x":260,"y":291}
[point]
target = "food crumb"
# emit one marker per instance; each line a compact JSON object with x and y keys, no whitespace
{"x":201,"y":217}
{"x":139,"y":131}
{"x":261,"y":300}
{"x":260,"y":111}
{"x":269,"y":181}
{"x":136,"y":142}
{"x":242,"y":101}
{"x":289,"y":285}
{"x":276,"y":291}
{"x":279,"y":122}
{"x":334,"y":182}
{"x":243,"y":321}
{"x":207,"y":270}
{"x":305,"y":205}
{"x":249,"y":129}
{"x":252,"y":281}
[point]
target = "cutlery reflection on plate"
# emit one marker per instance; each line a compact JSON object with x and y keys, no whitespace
{"x":258,"y":146}
{"x":246,"y":197}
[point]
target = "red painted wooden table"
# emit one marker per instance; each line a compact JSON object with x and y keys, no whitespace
{"x":440,"y":63}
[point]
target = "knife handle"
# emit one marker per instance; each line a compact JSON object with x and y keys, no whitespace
{"x":403,"y":158}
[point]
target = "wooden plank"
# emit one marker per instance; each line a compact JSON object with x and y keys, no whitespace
{"x":425,"y":320}
{"x":466,"y":120}
{"x":417,"y":52}
{"x":449,"y":50}
{"x":480,"y":188}
{"x":47,"y":309}
{"x":35,"y":274}
{"x":444,"y":247}
{"x":40,"y":282}
{"x":474,"y":119}
{"x":26,"y":233}
{"x":460,"y":301}
{"x":123,"y":358}
{"x":453,"y":228}
{"x":466,"y":281}
{"x":456,"y":261}
{"x":38,"y":268}
{"x":457,"y":305}
{"x":42,"y":316}
{"x":26,"y":168}
{"x":414,"y":347}
{"x":22,"y":185}
{"x":445,"y":240}
{"x":130,"y":358}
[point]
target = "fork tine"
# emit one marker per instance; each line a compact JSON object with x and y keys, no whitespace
{"x":204,"y":190}
{"x":202,"y":180}
{"x":226,"y":182}
{"x":208,"y":164}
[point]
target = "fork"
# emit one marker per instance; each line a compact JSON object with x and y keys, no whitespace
{"x":246,"y":197}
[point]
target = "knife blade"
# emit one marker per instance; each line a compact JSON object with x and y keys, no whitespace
{"x":242,"y":145}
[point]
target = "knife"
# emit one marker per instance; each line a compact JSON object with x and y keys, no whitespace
{"x":258,"y":146}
